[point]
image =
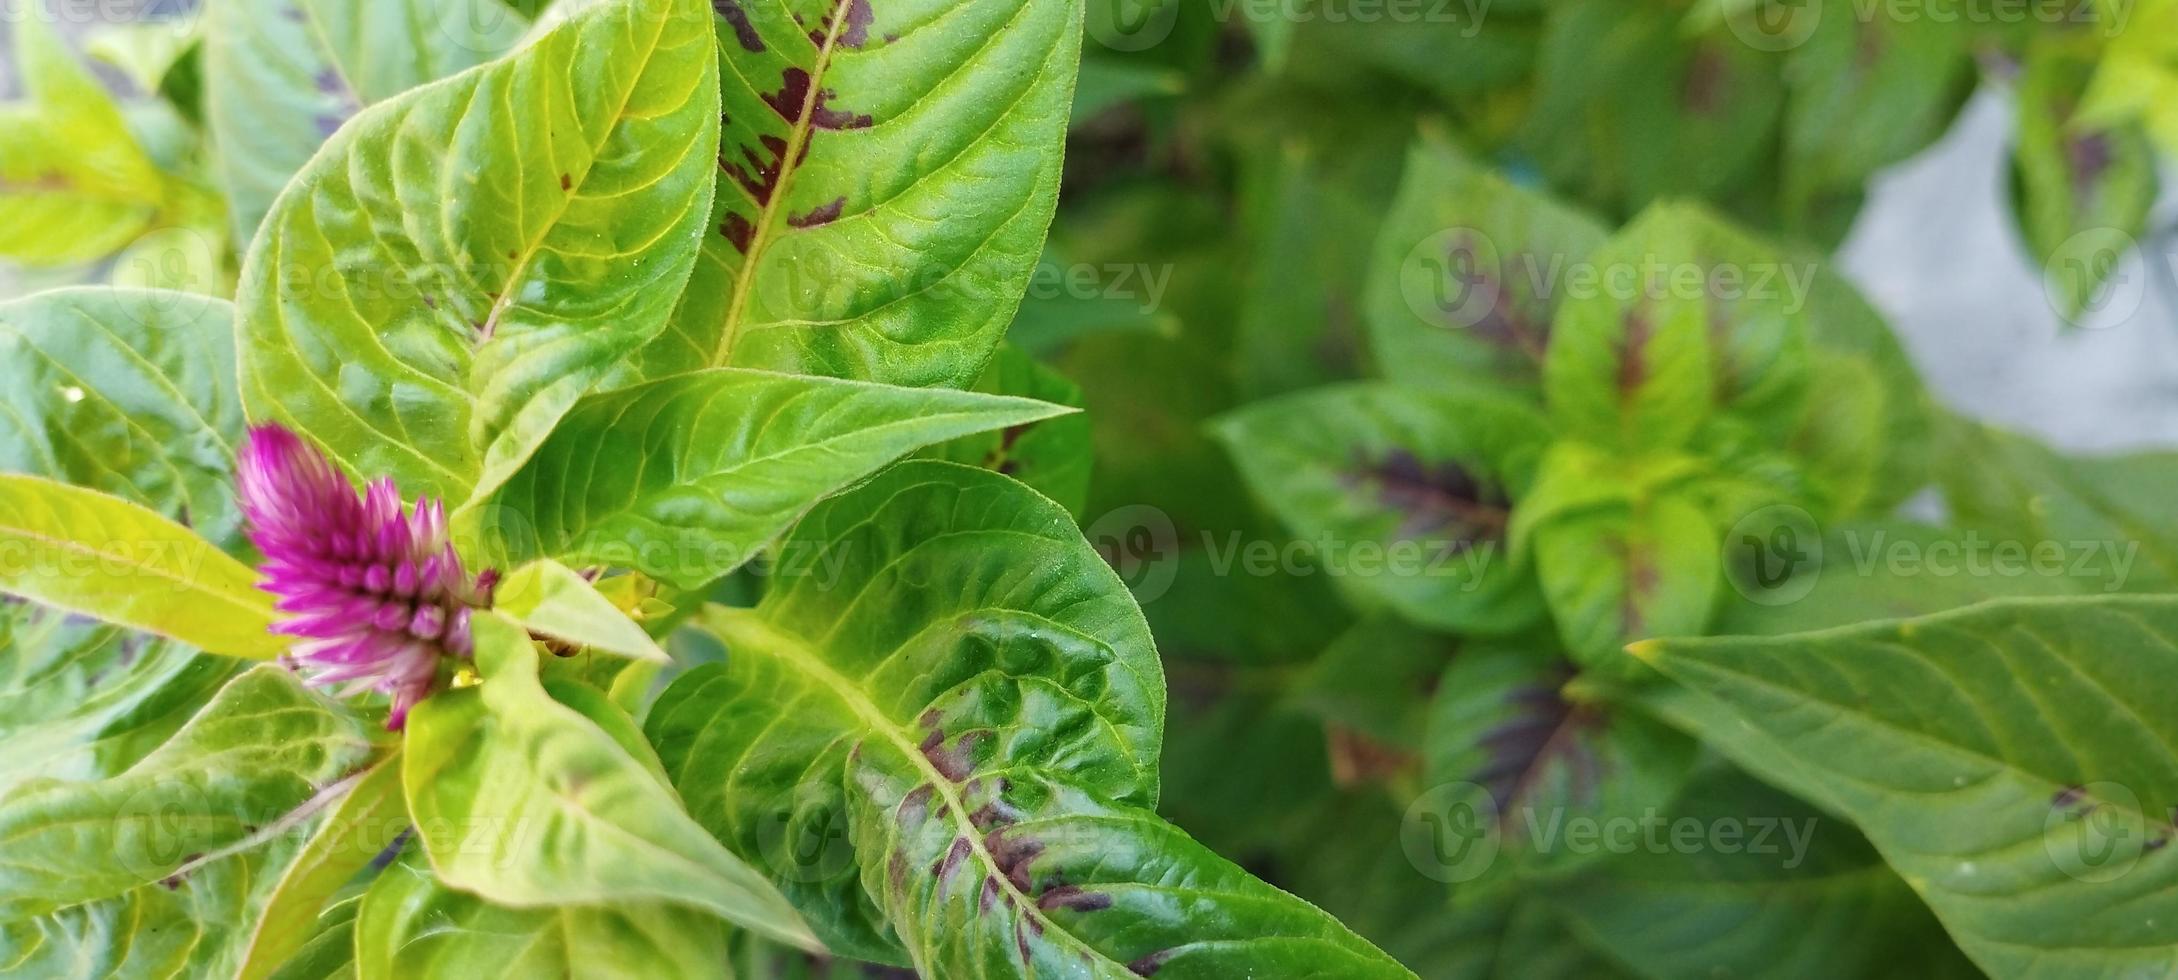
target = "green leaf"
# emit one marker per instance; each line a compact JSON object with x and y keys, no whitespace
{"x":1533,"y":768}
{"x":112,"y":560}
{"x":974,"y":769}
{"x":281,"y":75}
{"x":2137,"y":80}
{"x":1739,"y":880}
{"x":1469,"y":274}
{"x":1892,"y":570}
{"x":74,"y":185}
{"x":127,"y":391}
{"x":728,"y":459}
{"x":1406,"y":494}
{"x":371,"y":819}
{"x":530,"y":802}
{"x":2013,"y":762}
{"x":1052,"y":456}
{"x":189,"y":930}
{"x":1375,"y":679}
{"x":411,"y":927}
{"x":146,"y":50}
{"x":1842,"y":323}
{"x":1030,"y":616}
{"x":1634,"y":107}
{"x":460,"y":263}
{"x":1865,"y":93}
{"x":260,"y":760}
{"x":1651,"y":569}
{"x":550,"y":599}
{"x":2023,"y":491}
{"x":887,"y":175}
{"x":2084,"y":191}
{"x":83,"y":701}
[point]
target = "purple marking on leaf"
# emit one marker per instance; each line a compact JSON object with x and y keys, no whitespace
{"x":377,"y":595}
{"x":738,"y":231}
{"x":1705,"y":82}
{"x":1074,"y":898}
{"x":950,"y":863}
{"x":823,"y":116}
{"x":761,"y":177}
{"x":915,"y":807}
{"x":1439,"y":498}
{"x":2067,"y":796}
{"x":990,"y":894}
{"x":1013,"y":857}
{"x":1544,"y":730}
{"x":1149,"y":965}
{"x":2090,"y":156}
{"x":792,"y":96}
{"x":738,"y":19}
{"x":856,"y":31}
{"x":820,"y":216}
{"x":1633,"y":347}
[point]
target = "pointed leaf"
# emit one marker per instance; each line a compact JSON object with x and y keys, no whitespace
{"x":526,"y":802}
{"x":109,"y":559}
{"x":551,"y":599}
{"x":353,"y":833}
{"x":1410,"y":491}
{"x":687,"y":478}
{"x":887,"y":174}
{"x":2014,"y":762}
{"x":461,"y":262}
{"x":973,"y":769}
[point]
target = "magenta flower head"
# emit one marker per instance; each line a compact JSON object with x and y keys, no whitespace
{"x":377,"y":596}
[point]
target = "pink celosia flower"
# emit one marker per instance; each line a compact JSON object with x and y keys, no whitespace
{"x":377,"y":596}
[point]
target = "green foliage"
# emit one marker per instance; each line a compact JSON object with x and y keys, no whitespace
{"x":858,"y":412}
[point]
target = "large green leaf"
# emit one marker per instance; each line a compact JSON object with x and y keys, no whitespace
{"x":262,"y":759}
{"x":127,"y":391}
{"x":74,"y":185}
{"x":888,"y":171}
{"x":82,"y":700}
{"x":411,"y":927}
{"x":281,"y":75}
{"x":687,"y":478}
{"x":969,"y":768}
{"x":1469,"y":274}
{"x":529,"y":798}
{"x":1739,"y":880}
{"x":1406,"y":494}
{"x":461,"y":262}
{"x":104,"y":557}
{"x":2013,"y":762}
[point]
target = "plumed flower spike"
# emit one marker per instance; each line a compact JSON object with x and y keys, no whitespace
{"x":377,"y":596}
